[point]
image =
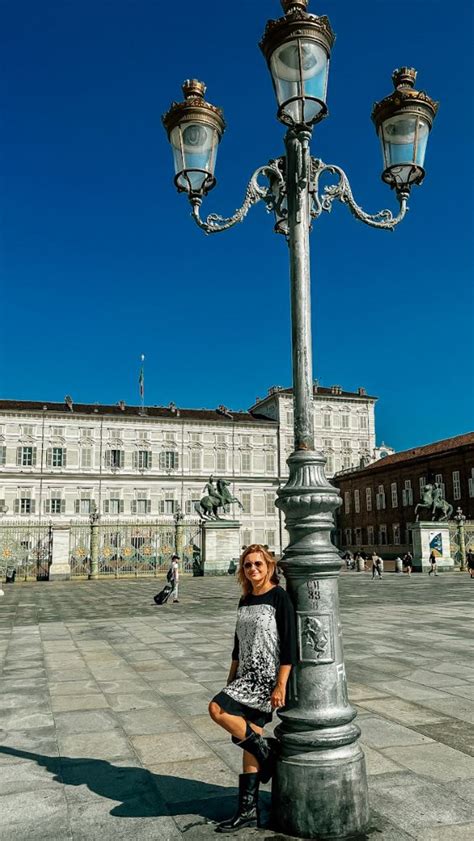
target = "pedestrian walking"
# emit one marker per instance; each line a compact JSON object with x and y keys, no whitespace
{"x":470,"y":562}
{"x":173,"y":576}
{"x":376,"y":565}
{"x":433,"y":566}
{"x":408,"y":563}
{"x":263,"y":655}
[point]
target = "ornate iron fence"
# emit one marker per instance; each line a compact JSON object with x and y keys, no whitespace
{"x":454,"y":539}
{"x":26,"y":548}
{"x":133,"y":549}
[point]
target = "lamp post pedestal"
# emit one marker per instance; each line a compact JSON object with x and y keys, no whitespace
{"x":320,"y":784}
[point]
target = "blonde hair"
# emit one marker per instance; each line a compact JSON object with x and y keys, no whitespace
{"x":270,"y":561}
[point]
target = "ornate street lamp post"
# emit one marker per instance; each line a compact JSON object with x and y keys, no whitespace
{"x":94,"y":518}
{"x":320,"y":785}
{"x":460,"y":520}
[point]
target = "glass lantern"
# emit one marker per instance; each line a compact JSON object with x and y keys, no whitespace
{"x":403,"y":122}
{"x":194,"y":129}
{"x":297,"y":49}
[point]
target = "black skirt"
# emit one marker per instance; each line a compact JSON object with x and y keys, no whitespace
{"x":233,"y":707}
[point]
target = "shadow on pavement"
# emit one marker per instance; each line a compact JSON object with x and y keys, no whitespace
{"x":143,"y":794}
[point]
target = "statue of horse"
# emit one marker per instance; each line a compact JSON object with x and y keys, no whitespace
{"x":209,"y":505}
{"x":432,"y":497}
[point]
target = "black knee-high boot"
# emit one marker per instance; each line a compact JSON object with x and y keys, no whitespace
{"x":247,"y":810}
{"x":261,"y":750}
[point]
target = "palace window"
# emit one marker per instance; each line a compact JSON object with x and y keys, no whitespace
{"x":396,"y":534}
{"x":363,"y":421}
{"x":27,"y":430}
{"x":368,"y":499}
{"x":327,"y":443}
{"x":383,"y":535}
{"x":221,"y":460}
{"x":394,"y":494}
{"x":347,"y":502}
{"x":345,"y":444}
{"x":346,"y":462}
{"x":289,"y":417}
{"x":357,"y":501}
{"x":142,"y":460}
{"x":114,"y":505}
{"x":422,"y":485}
{"x":26,"y":456}
{"x":3,"y":455}
{"x":456,"y":485}
{"x":471,"y":483}
{"x":270,"y":537}
{"x":270,"y":503}
{"x":143,"y":434}
{"x":141,"y":505}
{"x":168,"y":506}
{"x":114,"y":458}
{"x":439,"y":481}
{"x":370,"y":535}
{"x":86,"y":457}
{"x":196,"y":458}
{"x":190,"y":503}
{"x":358,"y":536}
{"x":326,"y":420}
{"x":220,"y":438}
{"x":330,"y":464}
{"x":170,"y":436}
{"x":348,"y":537}
{"x":24,"y":504}
{"x":407,"y":493}
{"x":246,"y":462}
{"x":195,"y":437}
{"x":246,"y":502}
{"x":56,"y":457}
{"x":380,"y":499}
{"x":345,"y":421}
{"x":84,"y":504}
{"x":55,"y":505}
{"x":245,"y":440}
{"x":269,"y":462}
{"x":169,"y":460}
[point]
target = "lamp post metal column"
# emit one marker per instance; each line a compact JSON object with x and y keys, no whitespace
{"x":320,"y":784}
{"x":461,"y":519}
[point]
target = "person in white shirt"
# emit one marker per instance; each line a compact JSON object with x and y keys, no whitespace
{"x":175,"y":576}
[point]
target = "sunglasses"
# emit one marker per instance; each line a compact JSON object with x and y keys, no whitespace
{"x":250,"y":564}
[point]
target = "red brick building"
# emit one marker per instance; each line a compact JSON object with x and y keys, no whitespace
{"x":379,"y":500}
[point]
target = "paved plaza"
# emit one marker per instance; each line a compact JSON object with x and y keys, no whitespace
{"x":104,"y":732}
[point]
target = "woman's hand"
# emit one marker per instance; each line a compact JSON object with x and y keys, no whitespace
{"x":278,"y":696}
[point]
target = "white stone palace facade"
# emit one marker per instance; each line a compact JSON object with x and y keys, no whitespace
{"x":59,"y":459}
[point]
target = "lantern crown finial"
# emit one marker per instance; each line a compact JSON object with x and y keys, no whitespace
{"x":404,"y":77}
{"x":192,"y":88}
{"x":289,"y":6}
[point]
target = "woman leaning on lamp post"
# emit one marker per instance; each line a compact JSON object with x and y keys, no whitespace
{"x":264,"y":653}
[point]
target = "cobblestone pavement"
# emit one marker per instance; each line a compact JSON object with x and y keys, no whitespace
{"x":104,"y":732}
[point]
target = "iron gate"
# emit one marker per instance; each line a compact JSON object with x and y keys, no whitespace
{"x":26,"y":548}
{"x":454,"y":539}
{"x":133,"y":549}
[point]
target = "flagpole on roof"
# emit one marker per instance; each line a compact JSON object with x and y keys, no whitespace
{"x":141,"y":383}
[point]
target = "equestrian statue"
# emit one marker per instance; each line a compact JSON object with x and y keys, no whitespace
{"x":432,"y":497}
{"x":217,"y":496}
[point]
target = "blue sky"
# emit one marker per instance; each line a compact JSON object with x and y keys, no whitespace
{"x":100,"y":261}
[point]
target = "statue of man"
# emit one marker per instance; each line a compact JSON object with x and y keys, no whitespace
{"x":211,"y":490}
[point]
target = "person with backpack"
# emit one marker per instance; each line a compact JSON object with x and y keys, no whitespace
{"x":173,"y":577}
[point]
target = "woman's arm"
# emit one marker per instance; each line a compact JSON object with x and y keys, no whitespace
{"x":279,"y":693}
{"x":232,"y":671}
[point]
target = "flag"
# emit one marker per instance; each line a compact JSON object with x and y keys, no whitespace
{"x":141,"y":380}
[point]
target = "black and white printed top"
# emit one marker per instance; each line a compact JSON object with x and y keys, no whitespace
{"x":265,"y":639}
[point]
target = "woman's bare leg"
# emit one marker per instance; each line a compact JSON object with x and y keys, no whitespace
{"x":237,"y":727}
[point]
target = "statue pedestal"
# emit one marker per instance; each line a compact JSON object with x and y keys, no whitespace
{"x":428,"y":537}
{"x":220,"y":546}
{"x":59,"y":568}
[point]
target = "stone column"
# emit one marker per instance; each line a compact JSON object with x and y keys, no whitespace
{"x":94,"y":571}
{"x":60,"y":568}
{"x":462,"y":545}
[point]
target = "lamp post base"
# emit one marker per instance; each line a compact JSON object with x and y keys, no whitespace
{"x":322,"y":794}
